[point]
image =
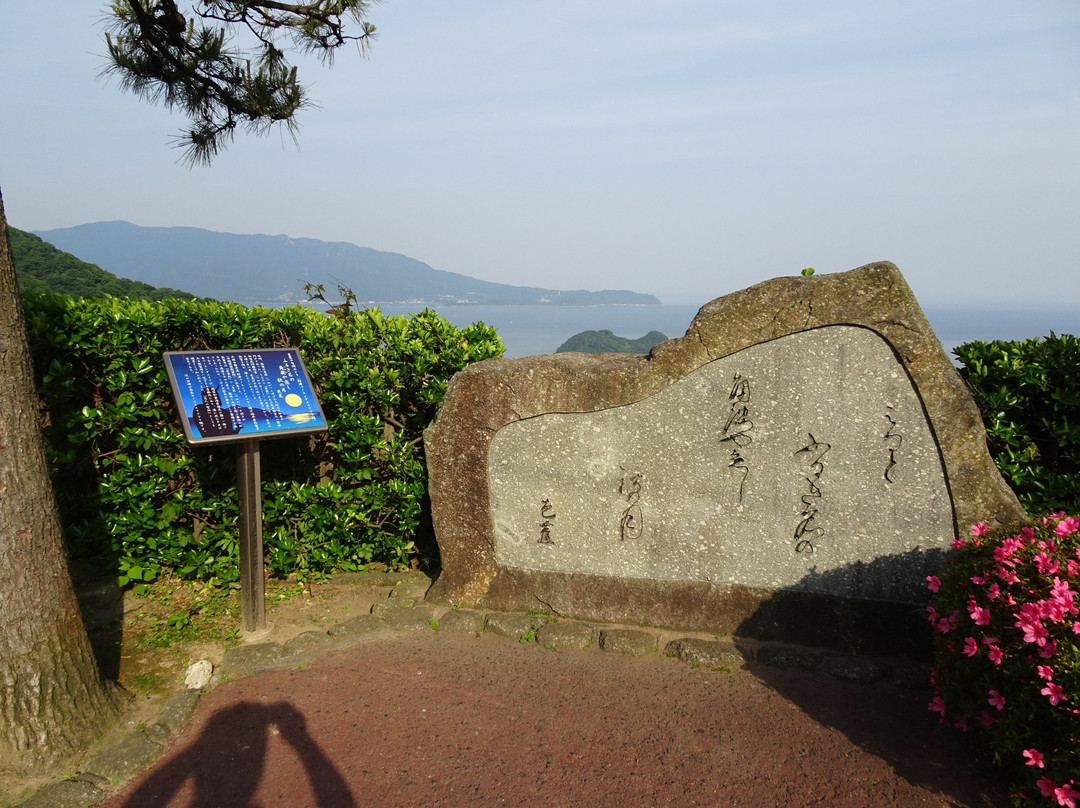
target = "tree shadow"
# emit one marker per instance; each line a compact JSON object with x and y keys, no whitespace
{"x":834,"y":610}
{"x":101,"y":604}
{"x":226,"y":763}
{"x":882,"y":649}
{"x":893,"y":724}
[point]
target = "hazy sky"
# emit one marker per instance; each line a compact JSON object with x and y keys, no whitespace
{"x":687,"y":148}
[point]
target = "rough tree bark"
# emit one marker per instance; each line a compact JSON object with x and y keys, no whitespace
{"x":52,"y":699}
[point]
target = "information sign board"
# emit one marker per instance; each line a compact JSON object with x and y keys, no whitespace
{"x":244,"y":395}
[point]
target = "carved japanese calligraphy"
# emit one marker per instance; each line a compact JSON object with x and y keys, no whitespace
{"x":630,"y":525}
{"x":750,"y":470}
{"x":547,"y":520}
{"x":807,"y":531}
{"x":738,"y":427}
{"x":893,"y":441}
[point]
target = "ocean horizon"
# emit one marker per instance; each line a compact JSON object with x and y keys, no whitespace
{"x":528,"y":330}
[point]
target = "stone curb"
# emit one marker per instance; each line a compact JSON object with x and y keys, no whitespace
{"x":406,"y":611}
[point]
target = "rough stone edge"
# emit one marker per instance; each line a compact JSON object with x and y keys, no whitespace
{"x":488,"y":395}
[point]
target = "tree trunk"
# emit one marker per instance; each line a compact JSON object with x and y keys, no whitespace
{"x":52,"y":699}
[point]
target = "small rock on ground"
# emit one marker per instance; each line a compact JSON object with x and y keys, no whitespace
{"x":198,"y":674}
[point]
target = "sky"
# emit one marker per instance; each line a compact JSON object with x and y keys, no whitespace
{"x":688,"y":148}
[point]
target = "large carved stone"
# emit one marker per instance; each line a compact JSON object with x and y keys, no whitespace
{"x":807,"y":448}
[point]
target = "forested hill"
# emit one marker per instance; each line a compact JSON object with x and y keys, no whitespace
{"x":273,"y":269}
{"x":607,"y":342}
{"x":40,"y":267}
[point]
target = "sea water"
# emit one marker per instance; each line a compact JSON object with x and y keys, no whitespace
{"x":527,"y":330}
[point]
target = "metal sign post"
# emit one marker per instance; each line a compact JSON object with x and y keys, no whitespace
{"x":243,"y":397}
{"x":252,"y":579}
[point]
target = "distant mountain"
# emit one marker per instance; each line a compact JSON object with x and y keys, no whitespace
{"x":607,"y":342}
{"x":273,"y":269}
{"x":40,"y":267}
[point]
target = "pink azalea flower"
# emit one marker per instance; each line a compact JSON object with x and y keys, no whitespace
{"x":971,"y":648}
{"x":981,"y":616}
{"x":1049,"y":650}
{"x":1066,"y":527}
{"x":1028,"y":612}
{"x":1046,"y":786}
{"x":1076,"y":627}
{"x":995,"y":654}
{"x":987,"y":719}
{"x":993,"y":590}
{"x":1045,"y":672}
{"x":1054,"y":610}
{"x":933,"y":583}
{"x":1072,"y":569}
{"x":1060,"y":592}
{"x":1008,"y":576}
{"x":1010,"y":546}
{"x":961,"y":723}
{"x":978,"y":580}
{"x":1034,"y":758}
{"x":957,"y":544}
{"x":1045,"y":564}
{"x":1034,"y":630}
{"x":937,"y":705}
{"x":979,"y":529}
{"x":1066,"y":795}
{"x":996,"y":700}
{"x":1053,"y":692}
{"x":1060,"y":588}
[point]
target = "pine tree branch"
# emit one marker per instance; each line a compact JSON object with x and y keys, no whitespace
{"x":162,"y":56}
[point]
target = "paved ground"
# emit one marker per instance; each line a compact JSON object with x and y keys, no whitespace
{"x":381,"y":710}
{"x":415,"y":718}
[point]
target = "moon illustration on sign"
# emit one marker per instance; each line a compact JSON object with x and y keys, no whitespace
{"x":293,"y":400}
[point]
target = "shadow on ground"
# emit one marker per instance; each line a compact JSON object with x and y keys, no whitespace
{"x":242,"y":732}
{"x":873,"y":645}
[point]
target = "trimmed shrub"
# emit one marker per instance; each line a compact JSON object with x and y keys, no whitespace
{"x":1029,"y":396}
{"x":131,"y":489}
{"x":1007,"y":653}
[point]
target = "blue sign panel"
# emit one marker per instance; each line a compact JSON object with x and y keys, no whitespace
{"x":243,"y":395}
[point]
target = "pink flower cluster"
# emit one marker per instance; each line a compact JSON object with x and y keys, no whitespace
{"x":1015,"y":607}
{"x":1064,"y":794}
{"x":1030,"y":617}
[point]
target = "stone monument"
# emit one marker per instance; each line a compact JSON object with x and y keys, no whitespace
{"x":799,"y":460}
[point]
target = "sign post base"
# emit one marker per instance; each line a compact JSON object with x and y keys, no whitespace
{"x":252,"y":580}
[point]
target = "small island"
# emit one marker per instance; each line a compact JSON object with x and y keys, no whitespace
{"x":606,"y":342}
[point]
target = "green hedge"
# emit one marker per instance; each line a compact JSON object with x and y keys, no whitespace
{"x":1029,"y":396}
{"x":130,"y":488}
